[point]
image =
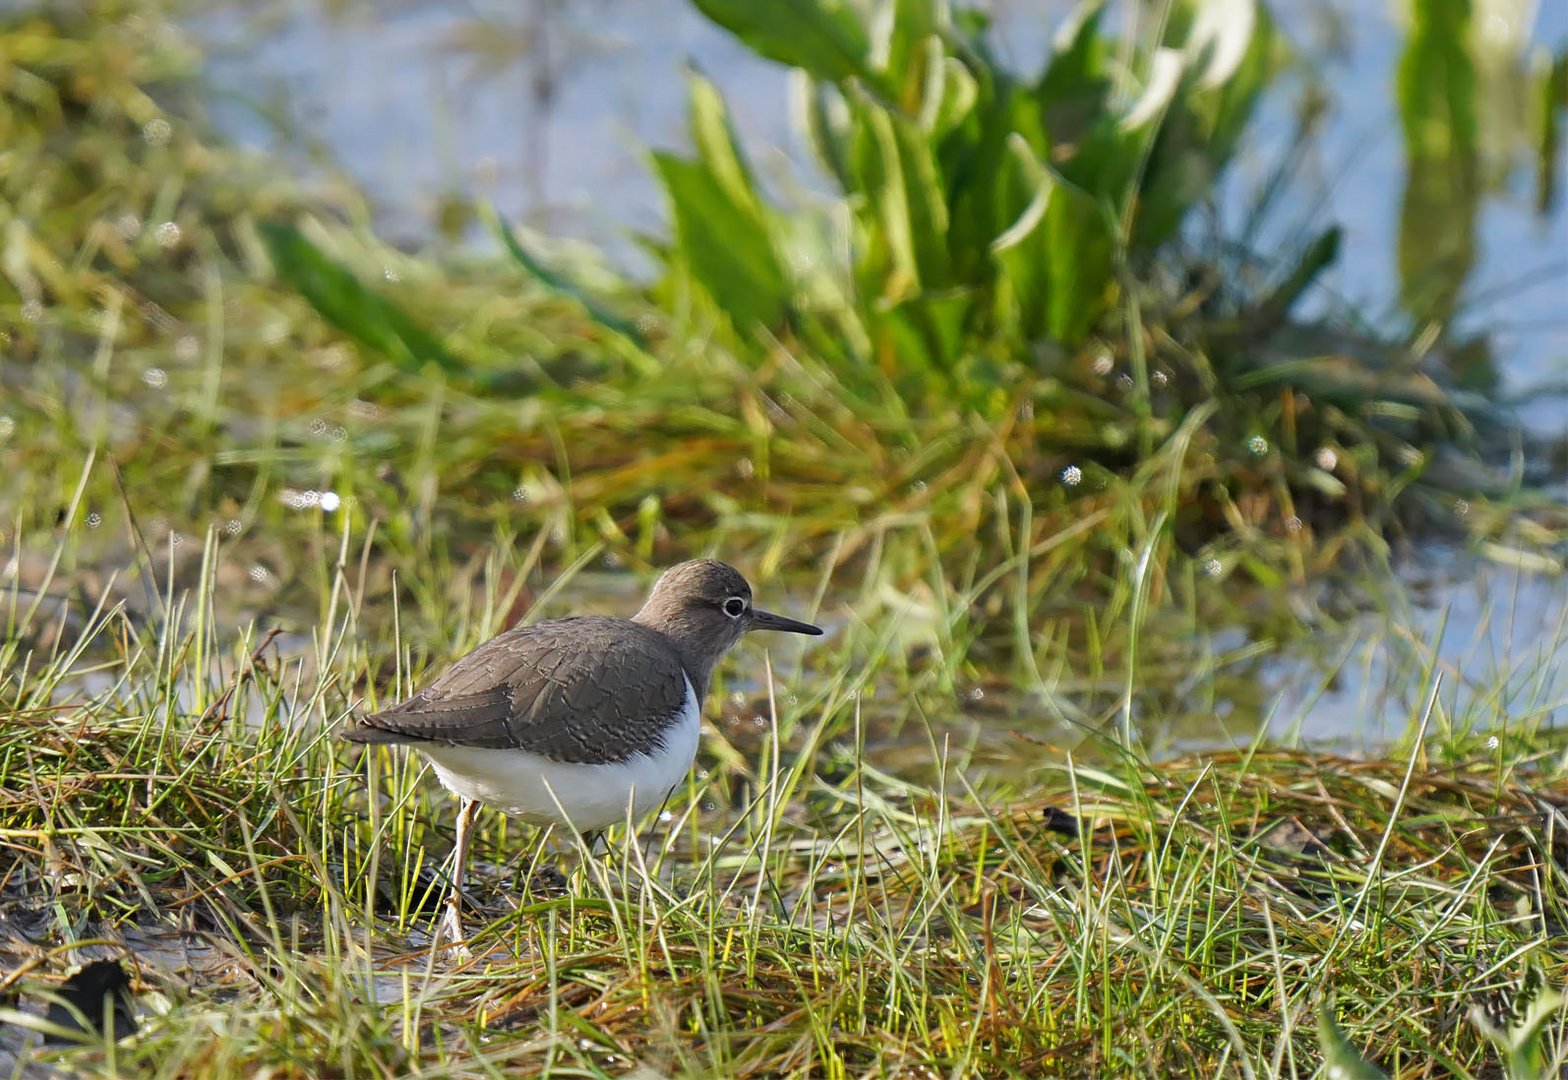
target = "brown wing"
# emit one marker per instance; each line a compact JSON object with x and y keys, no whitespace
{"x":583,"y":689}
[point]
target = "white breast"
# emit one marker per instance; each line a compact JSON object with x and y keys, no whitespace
{"x":583,"y":797}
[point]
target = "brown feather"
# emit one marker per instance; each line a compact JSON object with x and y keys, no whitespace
{"x":584,"y":689}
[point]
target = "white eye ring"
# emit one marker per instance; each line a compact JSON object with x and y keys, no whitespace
{"x":735,"y":607}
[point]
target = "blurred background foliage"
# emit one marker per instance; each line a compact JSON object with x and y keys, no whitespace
{"x":1004,"y":326}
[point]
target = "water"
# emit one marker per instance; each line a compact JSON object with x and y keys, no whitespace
{"x":548,"y":109}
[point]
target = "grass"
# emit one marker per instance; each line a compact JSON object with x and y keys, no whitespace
{"x":948,"y":840}
{"x":155,"y":320}
{"x":172,"y":794}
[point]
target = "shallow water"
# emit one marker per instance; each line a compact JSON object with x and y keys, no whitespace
{"x":548,"y":108}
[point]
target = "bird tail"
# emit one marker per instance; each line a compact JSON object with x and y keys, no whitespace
{"x":367,"y":732}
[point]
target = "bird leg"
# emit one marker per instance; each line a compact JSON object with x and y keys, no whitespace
{"x":452,"y":922}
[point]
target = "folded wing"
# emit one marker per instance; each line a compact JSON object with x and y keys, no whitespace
{"x":586,"y":689}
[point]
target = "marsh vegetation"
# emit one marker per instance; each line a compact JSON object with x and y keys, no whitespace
{"x":1114,"y":509}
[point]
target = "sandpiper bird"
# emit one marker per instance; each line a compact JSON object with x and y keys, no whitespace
{"x":578,"y":722}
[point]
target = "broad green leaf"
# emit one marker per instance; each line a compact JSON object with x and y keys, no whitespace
{"x":1074,"y":89}
{"x":977,"y":173}
{"x":717,"y":148}
{"x":925,"y":202}
{"x":929,"y":329}
{"x":1551,"y":102}
{"x":1021,"y":251}
{"x":559,"y":282}
{"x":1436,"y":82}
{"x":1436,"y":91}
{"x":898,"y":177}
{"x":1059,"y":256}
{"x":1081,"y":246}
{"x":727,"y":249}
{"x":933,"y":72}
{"x":885,"y":258}
{"x":909,"y":27}
{"x":1220,"y":37}
{"x":1230,"y":53}
{"x":1226,"y":106}
{"x":344,"y":301}
{"x":822,"y":37}
{"x":1176,"y":175}
{"x":824,"y":123}
{"x":955,"y":103}
{"x":1165,"y":72}
{"x":1108,"y":158}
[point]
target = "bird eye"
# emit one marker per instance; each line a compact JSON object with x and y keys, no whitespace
{"x":735,"y":607}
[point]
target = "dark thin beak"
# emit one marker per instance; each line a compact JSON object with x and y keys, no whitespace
{"x":766,"y":620}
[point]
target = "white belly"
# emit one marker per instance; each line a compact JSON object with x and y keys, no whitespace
{"x":583,"y":797}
